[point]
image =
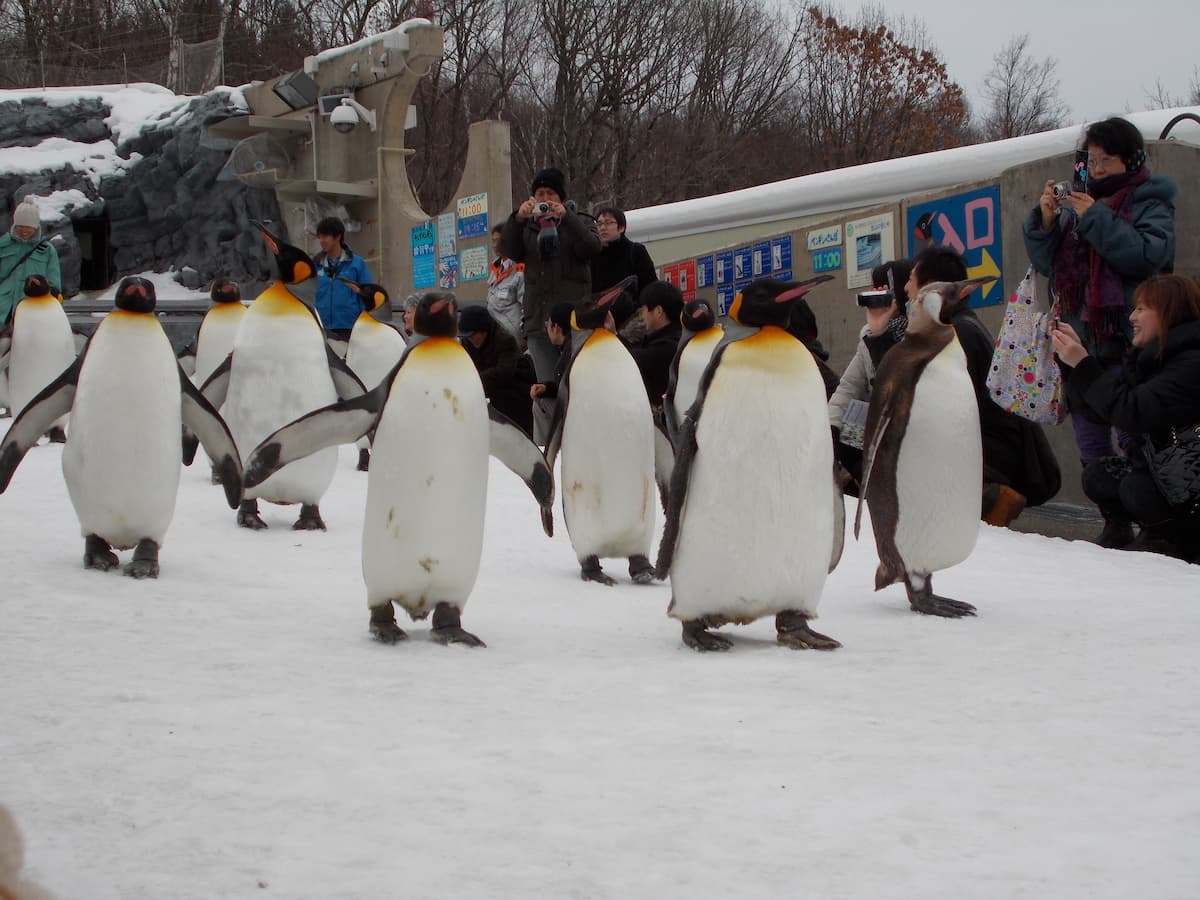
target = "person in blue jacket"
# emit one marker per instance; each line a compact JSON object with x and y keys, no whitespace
{"x":338,"y":305}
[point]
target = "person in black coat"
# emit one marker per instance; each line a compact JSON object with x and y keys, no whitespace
{"x":1153,"y":398}
{"x":661,"y":306}
{"x":620,"y":256}
{"x":1019,"y":466}
{"x":505,"y":371}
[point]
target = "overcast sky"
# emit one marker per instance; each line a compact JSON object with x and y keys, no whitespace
{"x":1109,"y":53}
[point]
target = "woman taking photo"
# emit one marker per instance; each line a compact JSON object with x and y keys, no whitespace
{"x":1098,"y":246}
{"x":1152,"y":398}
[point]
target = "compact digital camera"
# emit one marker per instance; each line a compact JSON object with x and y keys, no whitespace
{"x":1062,"y":189}
{"x":541,"y":209}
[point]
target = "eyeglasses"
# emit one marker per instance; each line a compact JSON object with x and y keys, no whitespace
{"x":1095,"y":162}
{"x":606,"y":221}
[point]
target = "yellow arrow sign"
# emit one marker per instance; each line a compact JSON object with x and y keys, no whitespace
{"x":987,"y":268}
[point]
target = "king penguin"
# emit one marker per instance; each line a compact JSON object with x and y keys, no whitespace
{"x":374,"y":349}
{"x":604,"y":428}
{"x":128,"y":399}
{"x":42,"y":348}
{"x":924,"y":460}
{"x":753,"y":525}
{"x":699,"y":340}
{"x":427,"y":488}
{"x":281,"y":368}
{"x":218,"y":330}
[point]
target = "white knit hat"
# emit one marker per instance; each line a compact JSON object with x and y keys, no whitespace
{"x":27,"y":215}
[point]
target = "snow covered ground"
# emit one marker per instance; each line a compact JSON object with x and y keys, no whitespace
{"x":230,"y":730}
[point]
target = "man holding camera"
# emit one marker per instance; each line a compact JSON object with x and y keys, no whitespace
{"x":556,"y":246}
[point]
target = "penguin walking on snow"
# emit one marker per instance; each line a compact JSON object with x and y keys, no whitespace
{"x":42,"y":348}
{"x":281,"y":368}
{"x":700,"y":338}
{"x":605,"y":431}
{"x":218,"y":330}
{"x":754,"y":523}
{"x":374,"y":349}
{"x":427,"y":487}
{"x":924,"y":460}
{"x":128,"y":399}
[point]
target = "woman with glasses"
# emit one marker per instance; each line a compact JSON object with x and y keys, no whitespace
{"x":1097,"y":246}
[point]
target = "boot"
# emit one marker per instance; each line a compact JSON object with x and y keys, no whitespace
{"x":1117,"y":534}
{"x":1001,"y":504}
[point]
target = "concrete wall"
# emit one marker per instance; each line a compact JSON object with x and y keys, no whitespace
{"x":365,"y":170}
{"x":840,"y":318}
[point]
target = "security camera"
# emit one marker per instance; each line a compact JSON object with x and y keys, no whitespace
{"x":347,"y":114}
{"x":344,"y":118}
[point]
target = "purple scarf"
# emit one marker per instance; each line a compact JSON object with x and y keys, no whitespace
{"x":1080,"y":273}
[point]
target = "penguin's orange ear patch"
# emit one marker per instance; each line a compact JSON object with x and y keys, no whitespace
{"x":378,"y":299}
{"x":303,"y":271}
{"x":574,"y":321}
{"x":736,"y":307}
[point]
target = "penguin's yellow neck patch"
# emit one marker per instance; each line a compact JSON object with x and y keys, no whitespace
{"x":45,"y":300}
{"x":599,"y":336}
{"x":227,"y":309}
{"x":439,"y":347}
{"x":773,"y":350}
{"x":277,"y":300}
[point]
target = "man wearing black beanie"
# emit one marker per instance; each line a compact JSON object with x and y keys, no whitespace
{"x":556,"y":245}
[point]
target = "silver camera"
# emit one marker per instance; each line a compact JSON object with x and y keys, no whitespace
{"x":1061,"y":189}
{"x":541,"y":209}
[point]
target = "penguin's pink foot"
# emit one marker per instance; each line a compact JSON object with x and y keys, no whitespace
{"x":792,"y":630}
{"x":310,"y":519}
{"x":591,"y":571}
{"x":98,"y":554}
{"x":698,"y":637}
{"x":383,"y":625}
{"x":248,"y":516}
{"x":922,"y":599}
{"x":447,"y":627}
{"x":145,"y":560}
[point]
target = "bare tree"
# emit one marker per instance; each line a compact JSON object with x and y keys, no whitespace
{"x":1021,"y":94}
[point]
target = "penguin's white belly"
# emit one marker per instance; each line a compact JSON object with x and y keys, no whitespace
{"x":692,"y":363}
{"x":756,"y":534}
{"x":215,"y":340}
{"x":279,"y":373}
{"x":427,"y":486}
{"x":123,"y":456}
{"x":373,"y":352}
{"x":42,"y":348}
{"x":939,"y":469}
{"x":608,"y":488}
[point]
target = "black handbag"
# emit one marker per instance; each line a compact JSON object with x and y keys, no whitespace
{"x":1176,"y":467}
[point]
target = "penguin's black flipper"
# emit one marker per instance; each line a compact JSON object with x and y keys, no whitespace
{"x":868,"y":465}
{"x":345,"y":382}
{"x":53,"y":401}
{"x":343,"y":422}
{"x":5,"y":347}
{"x":839,"y":522}
{"x":203,"y":424}
{"x":664,"y":463}
{"x":521,"y":456}
{"x":671,"y":417}
{"x":685,"y":454}
{"x":216,"y":387}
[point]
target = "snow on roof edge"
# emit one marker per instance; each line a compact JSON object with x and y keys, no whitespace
{"x":871,"y":184}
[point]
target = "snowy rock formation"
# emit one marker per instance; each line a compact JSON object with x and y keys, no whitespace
{"x":129,"y":173}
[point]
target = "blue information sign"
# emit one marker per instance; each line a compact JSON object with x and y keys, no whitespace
{"x":704,"y":272}
{"x":742,"y":269}
{"x":781,"y":253}
{"x":761,"y":260}
{"x":424,"y":255}
{"x":969,"y":223}
{"x":724,"y":300}
{"x":723,"y":263}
